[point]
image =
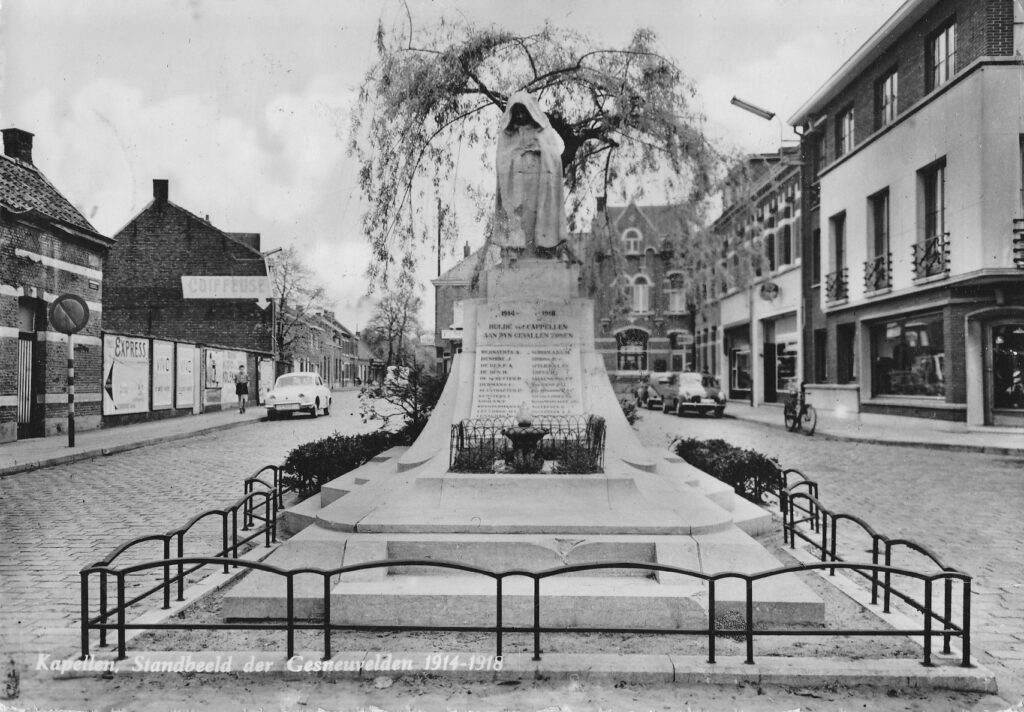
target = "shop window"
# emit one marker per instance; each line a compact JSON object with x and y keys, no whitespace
{"x":631,"y":347}
{"x":739,"y":370}
{"x":1008,"y":367}
{"x":909,"y":357}
{"x":785,"y":365}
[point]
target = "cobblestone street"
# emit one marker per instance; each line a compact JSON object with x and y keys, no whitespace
{"x":965,"y":506}
{"x":59,"y":519}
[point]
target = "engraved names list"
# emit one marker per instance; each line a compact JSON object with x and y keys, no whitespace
{"x":526,"y":353}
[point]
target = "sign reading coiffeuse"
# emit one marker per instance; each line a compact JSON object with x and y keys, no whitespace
{"x":527,"y":352}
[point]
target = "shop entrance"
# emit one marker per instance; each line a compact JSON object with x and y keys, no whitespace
{"x":1006,"y":386}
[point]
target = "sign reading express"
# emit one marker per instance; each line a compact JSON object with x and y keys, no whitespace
{"x":526,"y":353}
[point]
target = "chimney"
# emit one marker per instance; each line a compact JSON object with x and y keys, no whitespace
{"x":602,"y":202}
{"x":18,"y":144}
{"x":160,"y":190}
{"x":465,"y":250}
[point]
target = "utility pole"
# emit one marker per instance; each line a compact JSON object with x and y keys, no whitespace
{"x":438,"y":237}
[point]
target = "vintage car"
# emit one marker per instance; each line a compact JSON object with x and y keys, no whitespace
{"x":302,"y":392}
{"x":698,"y":392}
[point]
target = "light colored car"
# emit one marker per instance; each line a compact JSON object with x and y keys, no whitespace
{"x":302,"y":392}
{"x":696,"y":392}
{"x":651,"y":394}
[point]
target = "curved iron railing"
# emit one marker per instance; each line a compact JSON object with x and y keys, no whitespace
{"x":749,"y":632}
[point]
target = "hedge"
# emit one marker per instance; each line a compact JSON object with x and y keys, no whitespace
{"x":748,"y":472}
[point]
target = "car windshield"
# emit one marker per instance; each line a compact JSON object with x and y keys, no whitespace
{"x":709,"y":382}
{"x":287,"y":381}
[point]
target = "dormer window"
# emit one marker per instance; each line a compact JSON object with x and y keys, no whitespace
{"x":631,"y":239}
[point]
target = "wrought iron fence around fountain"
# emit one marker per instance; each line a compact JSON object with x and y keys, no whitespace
{"x":574,"y":443}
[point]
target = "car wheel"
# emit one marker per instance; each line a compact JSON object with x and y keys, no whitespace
{"x":665,"y":408}
{"x":679,"y":408}
{"x":316,"y":407}
{"x":719,"y":412}
{"x":327,"y":408}
{"x":271,"y":415}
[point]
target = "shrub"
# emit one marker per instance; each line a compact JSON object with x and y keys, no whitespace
{"x":311,"y":465}
{"x":410,"y":397}
{"x":629,"y":410}
{"x":748,"y":472}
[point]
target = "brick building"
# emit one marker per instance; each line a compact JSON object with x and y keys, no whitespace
{"x":914,"y":200}
{"x":751,"y":295}
{"x":168,"y":352}
{"x":324,"y":345}
{"x":47,"y":248}
{"x":634,"y":268}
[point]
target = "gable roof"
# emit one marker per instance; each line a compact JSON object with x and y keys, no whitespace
{"x":663,"y":218}
{"x":24,"y":189}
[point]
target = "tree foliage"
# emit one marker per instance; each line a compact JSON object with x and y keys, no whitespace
{"x":438,"y":92}
{"x":391,"y":331}
{"x":298,"y":297}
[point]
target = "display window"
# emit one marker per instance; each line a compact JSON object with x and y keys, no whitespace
{"x":1008,"y":367}
{"x":909,"y":357}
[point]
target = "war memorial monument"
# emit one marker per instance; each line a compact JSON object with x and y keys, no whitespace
{"x":527,"y":384}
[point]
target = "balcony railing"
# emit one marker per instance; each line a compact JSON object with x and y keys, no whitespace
{"x":931,"y":256}
{"x":836,"y":285}
{"x":878,"y":273}
{"x":1018,"y":242}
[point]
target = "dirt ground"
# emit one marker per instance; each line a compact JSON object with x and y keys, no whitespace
{"x":420,"y":691}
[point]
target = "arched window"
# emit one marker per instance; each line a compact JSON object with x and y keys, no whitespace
{"x":641,"y":294}
{"x":675,"y":298}
{"x":631,"y":241}
{"x":632,"y":350}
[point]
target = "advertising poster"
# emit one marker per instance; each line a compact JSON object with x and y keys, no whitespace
{"x":184,"y":393}
{"x":221,"y":367}
{"x":163,"y":375}
{"x":266,"y":378}
{"x":125,"y":375}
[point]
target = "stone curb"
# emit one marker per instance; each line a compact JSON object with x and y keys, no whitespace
{"x":952,"y":447}
{"x":896,"y":673}
{"x":115,"y":449}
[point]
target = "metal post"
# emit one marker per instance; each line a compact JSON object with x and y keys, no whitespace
{"x":71,"y":393}
{"x":120,"y":617}
{"x":966,"y":641}
{"x":947,"y":615}
{"x":85,"y":614}
{"x":536,"y":619}
{"x":498,"y":619}
{"x":290,"y":613}
{"x":750,"y":622}
{"x":711,"y":621}
{"x":327,"y":616}
{"x":928,"y":623}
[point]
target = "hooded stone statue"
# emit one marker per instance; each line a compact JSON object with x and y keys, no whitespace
{"x":530,"y":208}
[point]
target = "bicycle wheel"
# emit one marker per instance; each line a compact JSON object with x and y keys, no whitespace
{"x":792,"y":422}
{"x":810,"y":420}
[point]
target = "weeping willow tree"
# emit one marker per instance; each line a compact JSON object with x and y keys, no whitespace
{"x":430,"y":107}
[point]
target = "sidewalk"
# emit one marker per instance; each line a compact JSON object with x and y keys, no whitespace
{"x":34,"y":453}
{"x":894,"y":430}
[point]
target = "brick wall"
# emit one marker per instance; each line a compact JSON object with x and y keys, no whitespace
{"x":24,"y":276}
{"x":983,"y":28}
{"x":143,"y":283}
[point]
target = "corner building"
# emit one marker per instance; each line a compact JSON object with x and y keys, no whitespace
{"x":47,"y":248}
{"x":917,"y":151}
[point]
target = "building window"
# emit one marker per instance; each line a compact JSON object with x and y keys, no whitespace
{"x":1008,"y":367}
{"x":631,"y":240}
{"x":785,"y":246}
{"x":739,"y":369}
{"x":931,"y":249}
{"x":821,"y":355}
{"x":941,"y":56}
{"x":632,"y":350}
{"x":769,"y":251}
{"x":816,"y":257}
{"x":844,"y":132}
{"x":675,"y":297}
{"x":886,"y":94}
{"x":876,"y":269}
{"x":835,"y":281}
{"x":818,"y":160}
{"x":909,"y":357}
{"x":641,"y":294}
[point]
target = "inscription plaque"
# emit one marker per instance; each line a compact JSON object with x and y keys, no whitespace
{"x":527,"y":352}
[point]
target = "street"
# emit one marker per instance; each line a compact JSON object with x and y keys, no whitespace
{"x":55,"y":521}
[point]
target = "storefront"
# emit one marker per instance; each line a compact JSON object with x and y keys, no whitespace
{"x":781,"y":356}
{"x":737,"y":346}
{"x":995,"y":366}
{"x":631,"y":350}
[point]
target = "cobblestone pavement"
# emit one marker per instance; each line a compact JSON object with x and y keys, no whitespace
{"x":967,"y":507}
{"x":56,"y":520}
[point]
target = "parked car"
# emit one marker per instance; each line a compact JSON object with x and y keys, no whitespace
{"x":297,"y":393}
{"x":651,"y":393}
{"x":698,"y":392}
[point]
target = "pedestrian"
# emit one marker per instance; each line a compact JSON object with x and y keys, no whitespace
{"x":242,"y":387}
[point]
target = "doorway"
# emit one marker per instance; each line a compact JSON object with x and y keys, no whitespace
{"x":27,"y":413}
{"x":1006,"y":386}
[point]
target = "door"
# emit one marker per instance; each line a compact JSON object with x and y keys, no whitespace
{"x":1007,"y":374}
{"x":26,"y":382}
{"x":770,"y":392}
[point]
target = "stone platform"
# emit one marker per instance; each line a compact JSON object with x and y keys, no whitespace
{"x":528,"y":344}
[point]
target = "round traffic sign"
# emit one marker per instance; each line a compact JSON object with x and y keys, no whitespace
{"x":69,"y":313}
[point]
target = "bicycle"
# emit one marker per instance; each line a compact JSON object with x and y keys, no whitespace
{"x":799,"y":414}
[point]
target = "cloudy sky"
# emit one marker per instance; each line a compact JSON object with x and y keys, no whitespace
{"x":243,"y":104}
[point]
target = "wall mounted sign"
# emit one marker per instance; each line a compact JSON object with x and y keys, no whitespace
{"x":769,"y":291}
